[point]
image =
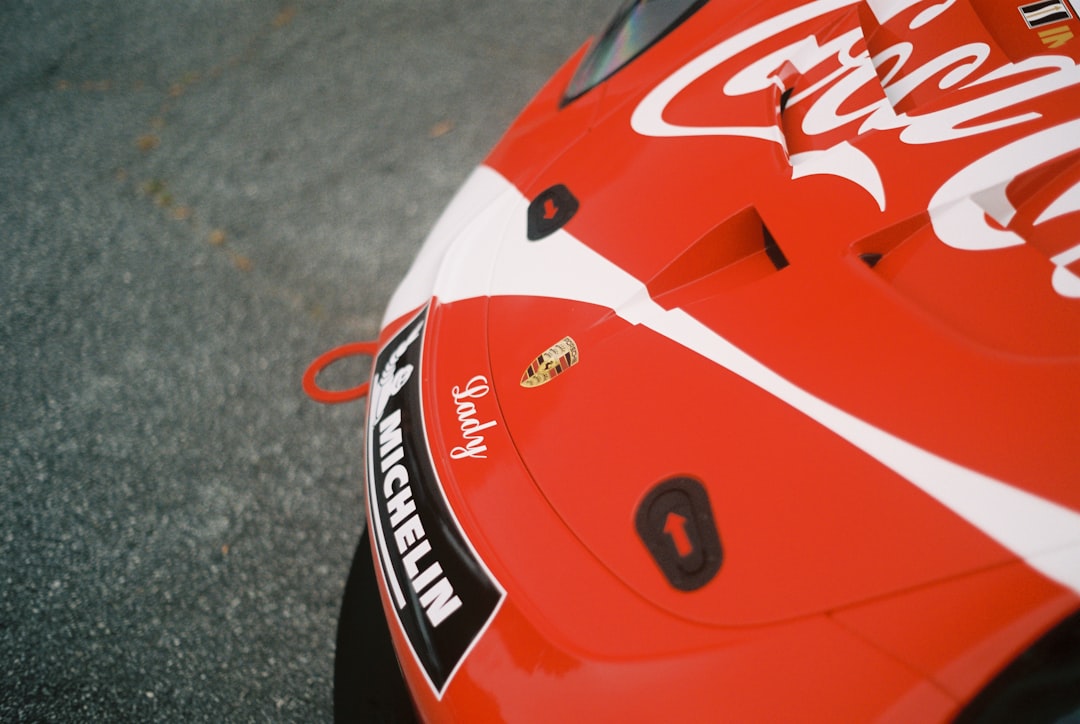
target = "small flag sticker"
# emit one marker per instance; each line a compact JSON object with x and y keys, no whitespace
{"x":1044,"y":13}
{"x":558,"y":358}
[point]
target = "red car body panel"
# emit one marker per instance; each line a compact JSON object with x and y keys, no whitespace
{"x":884,"y":418}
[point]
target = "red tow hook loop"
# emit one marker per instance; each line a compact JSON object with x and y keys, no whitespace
{"x":334,"y":397}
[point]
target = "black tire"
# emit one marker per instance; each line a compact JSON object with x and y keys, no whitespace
{"x":368,"y":686}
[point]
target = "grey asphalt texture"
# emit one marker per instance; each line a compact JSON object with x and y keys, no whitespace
{"x":197,"y":199}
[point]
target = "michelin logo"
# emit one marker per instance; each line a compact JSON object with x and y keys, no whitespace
{"x":436,"y":593}
{"x":443,"y":596}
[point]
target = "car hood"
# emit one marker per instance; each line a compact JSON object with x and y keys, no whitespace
{"x":820,"y":267}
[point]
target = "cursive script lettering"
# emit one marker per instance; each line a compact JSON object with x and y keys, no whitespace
{"x":1036,"y":76}
{"x":475,"y":445}
{"x":843,"y":68}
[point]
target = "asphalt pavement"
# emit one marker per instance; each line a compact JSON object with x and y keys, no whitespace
{"x":197,"y":199}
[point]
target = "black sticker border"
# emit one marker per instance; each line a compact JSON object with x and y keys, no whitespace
{"x":438,"y":675}
{"x":1036,"y":25}
{"x":537,"y":227}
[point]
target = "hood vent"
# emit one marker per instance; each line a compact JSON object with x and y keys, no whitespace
{"x":736,"y":251}
{"x":773,"y":250}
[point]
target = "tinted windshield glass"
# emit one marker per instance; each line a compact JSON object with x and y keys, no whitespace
{"x":637,"y":25}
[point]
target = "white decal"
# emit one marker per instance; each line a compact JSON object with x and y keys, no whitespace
{"x":1067,"y":203}
{"x":1037,"y":76}
{"x":392,"y":380}
{"x":384,"y":388}
{"x":929,"y":14}
{"x":1043,"y":533}
{"x":443,"y":597}
{"x":842,"y":160}
{"x":437,"y":596}
{"x":886,"y":10}
{"x":474,"y":446}
{"x":959,"y":209}
{"x":484,"y":186}
{"x":1065,"y":281}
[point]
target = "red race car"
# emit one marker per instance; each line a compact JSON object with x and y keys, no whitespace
{"x":741,"y":382}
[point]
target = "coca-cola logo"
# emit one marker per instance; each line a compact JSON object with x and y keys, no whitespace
{"x":960,"y":209}
{"x":843,"y":100}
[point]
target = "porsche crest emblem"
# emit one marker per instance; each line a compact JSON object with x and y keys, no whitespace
{"x":560,"y":357}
